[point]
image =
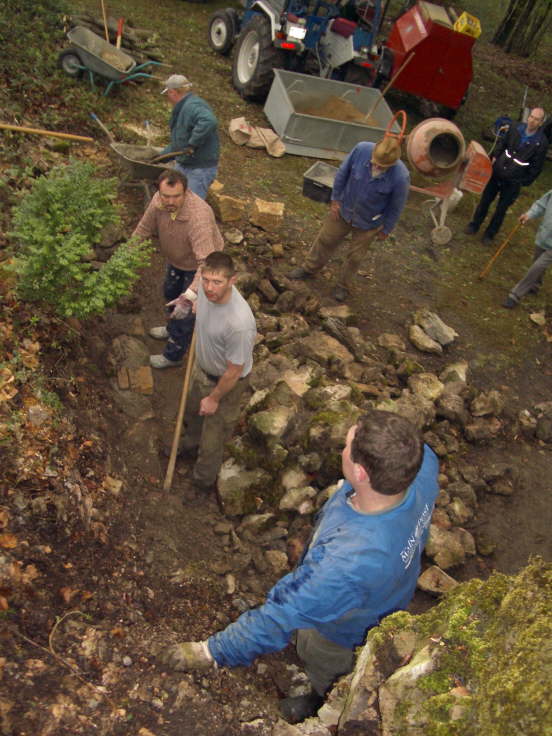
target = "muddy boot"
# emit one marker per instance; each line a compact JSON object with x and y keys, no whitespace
{"x":295,"y":710}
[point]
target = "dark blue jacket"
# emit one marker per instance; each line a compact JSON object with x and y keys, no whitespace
{"x":518,"y":159}
{"x":357,"y":569}
{"x":368,"y":202}
{"x":194,"y":124}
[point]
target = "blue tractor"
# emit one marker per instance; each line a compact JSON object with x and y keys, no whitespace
{"x":328,"y":39}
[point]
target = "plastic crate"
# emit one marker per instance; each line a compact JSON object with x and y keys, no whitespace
{"x":468,"y":24}
{"x":318,"y":181}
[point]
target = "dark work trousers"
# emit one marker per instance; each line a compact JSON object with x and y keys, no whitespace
{"x":180,"y":330}
{"x":508,"y":192}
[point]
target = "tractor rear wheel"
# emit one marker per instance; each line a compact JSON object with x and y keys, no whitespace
{"x":222,"y":30}
{"x":255,"y":57}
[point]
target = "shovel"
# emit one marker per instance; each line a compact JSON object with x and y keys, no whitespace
{"x":96,"y":119}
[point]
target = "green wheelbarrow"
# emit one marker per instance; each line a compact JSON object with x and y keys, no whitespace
{"x":90,"y":54}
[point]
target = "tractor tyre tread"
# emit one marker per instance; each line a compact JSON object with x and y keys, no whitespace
{"x":269,"y":58}
{"x":228,"y":16}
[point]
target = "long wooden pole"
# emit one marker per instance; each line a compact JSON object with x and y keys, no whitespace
{"x":105,"y":22}
{"x":389,"y":85}
{"x":180,"y":416}
{"x":499,"y":250}
{"x":41,"y":131}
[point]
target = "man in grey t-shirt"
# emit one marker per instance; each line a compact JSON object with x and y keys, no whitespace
{"x":226,"y":332}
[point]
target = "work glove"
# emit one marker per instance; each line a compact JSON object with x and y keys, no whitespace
{"x":189,"y":655}
{"x":189,"y":151}
{"x":182,"y":306}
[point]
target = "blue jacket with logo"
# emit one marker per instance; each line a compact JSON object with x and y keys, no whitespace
{"x":358,"y":568}
{"x":365,"y":201}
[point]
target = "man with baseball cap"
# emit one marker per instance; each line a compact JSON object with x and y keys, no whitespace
{"x":194,"y":136}
{"x":368,"y":196}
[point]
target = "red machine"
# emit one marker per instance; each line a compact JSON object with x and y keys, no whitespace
{"x":441,"y":43}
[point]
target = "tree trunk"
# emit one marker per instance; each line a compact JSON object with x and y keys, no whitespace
{"x":523,"y":26}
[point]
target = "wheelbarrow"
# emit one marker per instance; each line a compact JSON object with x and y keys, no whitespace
{"x":90,"y":54}
{"x":138,"y":169}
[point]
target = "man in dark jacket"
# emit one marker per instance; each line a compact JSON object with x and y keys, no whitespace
{"x":193,"y":133}
{"x":517,"y":161}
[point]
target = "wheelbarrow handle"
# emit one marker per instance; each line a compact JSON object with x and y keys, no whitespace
{"x":165,"y":156}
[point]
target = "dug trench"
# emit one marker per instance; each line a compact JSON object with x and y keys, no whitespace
{"x":172,"y":566}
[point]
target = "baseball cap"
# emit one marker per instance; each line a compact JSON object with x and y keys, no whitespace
{"x":176,"y":81}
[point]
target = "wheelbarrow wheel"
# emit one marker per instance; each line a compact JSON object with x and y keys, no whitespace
{"x":441,"y":235}
{"x":70,"y":62}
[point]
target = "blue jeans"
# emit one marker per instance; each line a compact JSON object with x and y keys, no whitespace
{"x":180,"y":330}
{"x":199,"y":180}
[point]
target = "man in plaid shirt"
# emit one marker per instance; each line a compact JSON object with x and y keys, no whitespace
{"x":187,"y":232}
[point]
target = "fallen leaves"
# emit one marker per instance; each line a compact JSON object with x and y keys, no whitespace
{"x":67,"y":594}
{"x":8,"y":388}
{"x":4,"y":518}
{"x":8,"y":541}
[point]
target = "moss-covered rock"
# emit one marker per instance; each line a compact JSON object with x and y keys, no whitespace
{"x":478,"y":663}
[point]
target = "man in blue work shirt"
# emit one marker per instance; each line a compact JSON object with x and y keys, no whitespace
{"x":368,"y":196}
{"x":517,"y":161}
{"x":362,"y":564}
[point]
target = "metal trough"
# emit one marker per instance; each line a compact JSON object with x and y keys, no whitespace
{"x":293,"y":97}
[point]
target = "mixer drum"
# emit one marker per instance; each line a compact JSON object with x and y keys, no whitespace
{"x":436,"y":148}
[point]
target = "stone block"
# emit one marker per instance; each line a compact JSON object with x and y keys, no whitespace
{"x":141,"y":379}
{"x":229,"y":209}
{"x":267,"y":215}
{"x":123,"y":380}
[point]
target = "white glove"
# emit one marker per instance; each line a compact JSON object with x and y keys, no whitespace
{"x":182,"y":306}
{"x":188,"y":655}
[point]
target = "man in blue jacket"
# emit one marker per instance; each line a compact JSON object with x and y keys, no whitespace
{"x":362,"y":564}
{"x":193,"y":133}
{"x":517,"y":161}
{"x":368,"y":196}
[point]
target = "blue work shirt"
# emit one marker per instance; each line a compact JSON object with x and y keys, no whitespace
{"x":365,"y":201}
{"x":357,"y":569}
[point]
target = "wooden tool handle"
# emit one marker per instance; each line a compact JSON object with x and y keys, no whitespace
{"x":389,"y":84}
{"x":180,"y":416}
{"x":165,"y":156}
{"x":40,"y":131}
{"x":498,"y":251}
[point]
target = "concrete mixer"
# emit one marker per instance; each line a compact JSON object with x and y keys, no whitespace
{"x":437,"y":150}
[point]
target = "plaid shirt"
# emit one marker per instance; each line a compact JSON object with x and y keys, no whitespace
{"x":185,"y":239}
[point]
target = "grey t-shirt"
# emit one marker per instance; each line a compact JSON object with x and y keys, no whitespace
{"x":225,"y":333}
